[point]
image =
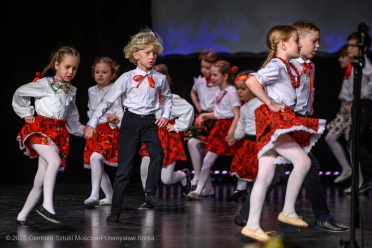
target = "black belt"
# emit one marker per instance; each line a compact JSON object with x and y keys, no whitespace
{"x":142,"y":116}
{"x":250,"y":137}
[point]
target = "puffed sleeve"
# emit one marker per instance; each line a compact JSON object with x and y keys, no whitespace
{"x":167,"y":99}
{"x":270,"y":74}
{"x":22,"y":97}
{"x":74,"y":126}
{"x":240,"y":128}
{"x":185,"y":113}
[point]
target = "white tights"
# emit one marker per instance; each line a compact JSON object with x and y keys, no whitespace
{"x":197,"y":153}
{"x":338,"y":151}
{"x":99,"y":177}
{"x":168,"y":175}
{"x":288,"y":148}
{"x":49,"y":163}
{"x":205,"y":173}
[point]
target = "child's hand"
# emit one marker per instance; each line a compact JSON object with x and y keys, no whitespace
{"x":29,"y":119}
{"x":161,"y":122}
{"x":199,"y":109}
{"x":88,"y":132}
{"x":276,"y":107}
{"x":170,"y":128}
{"x":112,"y":118}
{"x":230,"y":139}
{"x":199,"y":121}
{"x":349,"y":108}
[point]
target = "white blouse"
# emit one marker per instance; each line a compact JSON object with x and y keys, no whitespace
{"x":229,"y":99}
{"x":304,"y":103}
{"x":247,"y":123}
{"x":141,"y":100}
{"x":48,"y":102}
{"x":206,"y":94}
{"x":182,"y":111}
{"x":277,"y":82}
{"x":95,"y":97}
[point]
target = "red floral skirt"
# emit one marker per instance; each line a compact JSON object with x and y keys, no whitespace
{"x":270,"y":125}
{"x":245,"y":162}
{"x":104,"y":142}
{"x":342,"y":123}
{"x":45,"y":131}
{"x":172,"y":144}
{"x":216,"y":141}
{"x":200,"y":132}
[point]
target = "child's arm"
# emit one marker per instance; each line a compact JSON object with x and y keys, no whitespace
{"x":203,"y":117}
{"x":258,"y":91}
{"x":230,"y":135}
{"x":74,"y":126}
{"x":195,"y":100}
{"x":185,"y":113}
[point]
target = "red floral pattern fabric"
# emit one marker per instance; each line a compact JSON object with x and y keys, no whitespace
{"x":245,"y":161}
{"x":269,"y":125}
{"x":104,"y":142}
{"x":216,"y":141}
{"x":200,"y":132}
{"x":172,"y":144}
{"x":45,"y":131}
{"x":342,"y":123}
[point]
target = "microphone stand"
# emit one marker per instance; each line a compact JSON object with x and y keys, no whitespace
{"x":358,"y":64}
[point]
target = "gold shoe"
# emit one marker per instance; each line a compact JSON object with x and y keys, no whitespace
{"x":292,"y":221}
{"x":194,"y":195}
{"x":263,"y":237}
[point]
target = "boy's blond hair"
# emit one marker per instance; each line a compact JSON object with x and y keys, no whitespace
{"x":304,"y":27}
{"x":144,"y":39}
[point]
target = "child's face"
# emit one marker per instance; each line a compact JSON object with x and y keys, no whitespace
{"x":66,"y":70}
{"x":344,"y":61}
{"x":103,"y":74}
{"x":309,"y":44}
{"x":352,"y":49}
{"x":146,"y":59}
{"x":217,"y":77}
{"x":244,"y":93}
{"x":292,"y":47}
{"x":205,"y":68}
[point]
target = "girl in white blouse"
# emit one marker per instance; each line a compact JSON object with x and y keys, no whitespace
{"x":102,"y":148}
{"x":46,"y":136}
{"x":281,"y":135}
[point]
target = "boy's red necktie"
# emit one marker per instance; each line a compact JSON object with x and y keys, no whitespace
{"x":139,"y":78}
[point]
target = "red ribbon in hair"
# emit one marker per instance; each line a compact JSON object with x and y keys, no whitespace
{"x":234,"y":69}
{"x":38,"y":76}
{"x":242,"y":77}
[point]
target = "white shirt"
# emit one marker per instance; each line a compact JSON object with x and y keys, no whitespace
{"x":366,"y":88}
{"x":247,"y":123}
{"x":206,"y":95}
{"x":230,"y":99}
{"x":58,"y":105}
{"x":143,"y":100}
{"x":182,"y":111}
{"x":95,"y":96}
{"x":304,"y":103}
{"x":277,"y":83}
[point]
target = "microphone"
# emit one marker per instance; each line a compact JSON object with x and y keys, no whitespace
{"x":363,"y":27}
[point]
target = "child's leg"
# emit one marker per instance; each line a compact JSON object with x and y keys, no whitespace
{"x":287,"y":147}
{"x":53,"y":160}
{"x":339,"y":153}
{"x":106,"y":185}
{"x":241,"y":184}
{"x":96,"y":166}
{"x":265,"y":175}
{"x":169,"y":176}
{"x":205,"y":172}
{"x":197,"y":153}
{"x":145,"y":162}
{"x":34,"y":195}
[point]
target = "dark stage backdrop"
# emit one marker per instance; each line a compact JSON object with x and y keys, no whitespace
{"x":104,"y":28}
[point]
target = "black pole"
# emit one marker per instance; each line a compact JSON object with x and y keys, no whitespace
{"x":358,"y":64}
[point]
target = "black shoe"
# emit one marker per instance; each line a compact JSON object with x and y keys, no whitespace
{"x":113,"y":217}
{"x":46,"y":215}
{"x":331,"y":226}
{"x":152,"y":201}
{"x":365,"y":186}
{"x":241,"y":220}
{"x":187,"y":188}
{"x":21,"y":223}
{"x":238,"y":194}
{"x":145,"y":206}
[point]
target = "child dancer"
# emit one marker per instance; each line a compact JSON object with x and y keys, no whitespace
{"x":226,"y":112}
{"x":47,"y":135}
{"x":202,"y":95}
{"x":281,"y":135}
{"x":102,"y":147}
{"x":341,"y":124}
{"x":171,"y":138}
{"x":245,"y":162}
{"x":140,"y":91}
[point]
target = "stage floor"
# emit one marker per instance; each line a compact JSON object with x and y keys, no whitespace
{"x":181,"y":222}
